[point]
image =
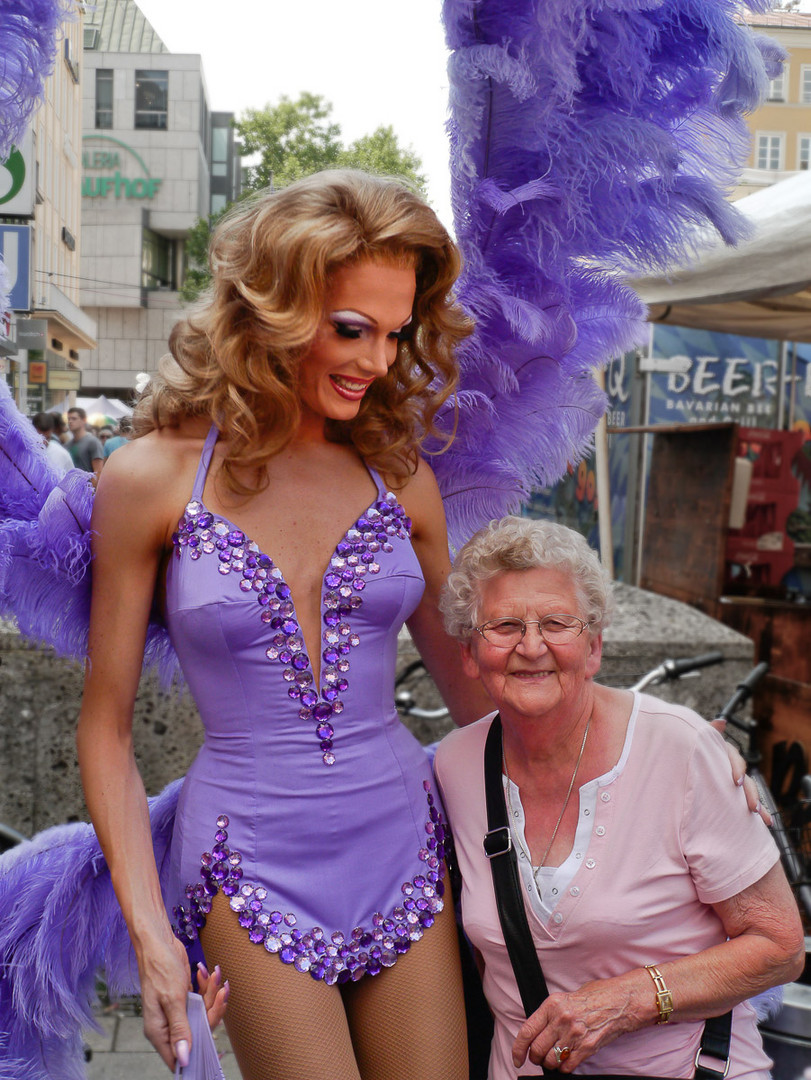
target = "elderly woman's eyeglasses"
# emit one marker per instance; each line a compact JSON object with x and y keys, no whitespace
{"x":554,"y":629}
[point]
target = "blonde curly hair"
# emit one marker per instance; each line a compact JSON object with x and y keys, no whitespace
{"x":236,"y":358}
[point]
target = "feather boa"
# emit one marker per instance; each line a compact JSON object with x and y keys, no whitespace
{"x":587,"y":136}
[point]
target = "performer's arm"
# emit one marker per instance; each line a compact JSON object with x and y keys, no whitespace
{"x":464,"y":697}
{"x":131,"y":534}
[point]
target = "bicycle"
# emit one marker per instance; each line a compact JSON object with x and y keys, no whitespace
{"x":791,"y":814}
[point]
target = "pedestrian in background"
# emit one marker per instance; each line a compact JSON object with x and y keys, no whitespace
{"x":58,"y":456}
{"x":85,"y":449}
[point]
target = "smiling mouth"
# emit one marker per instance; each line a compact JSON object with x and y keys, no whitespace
{"x":353,"y":389}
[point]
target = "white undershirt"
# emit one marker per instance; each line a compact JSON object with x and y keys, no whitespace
{"x":553,"y":881}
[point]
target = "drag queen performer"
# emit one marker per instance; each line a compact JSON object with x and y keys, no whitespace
{"x":277,"y":516}
{"x":308,"y":840}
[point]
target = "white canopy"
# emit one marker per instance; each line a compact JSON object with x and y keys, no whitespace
{"x":762,"y":288}
{"x":102,"y":405}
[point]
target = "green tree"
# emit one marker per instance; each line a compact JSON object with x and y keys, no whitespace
{"x":293,"y":139}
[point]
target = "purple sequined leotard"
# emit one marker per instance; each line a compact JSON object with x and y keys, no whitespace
{"x":310,"y":807}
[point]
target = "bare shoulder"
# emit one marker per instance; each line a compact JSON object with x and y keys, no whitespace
{"x":151,"y":477}
{"x":421,"y":499}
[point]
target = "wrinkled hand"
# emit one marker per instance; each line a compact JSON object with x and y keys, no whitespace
{"x":741,"y":779}
{"x":165,"y":981}
{"x":584,"y":1020}
{"x":214,"y":992}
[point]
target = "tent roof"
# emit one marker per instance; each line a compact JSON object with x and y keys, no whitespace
{"x":762,"y":288}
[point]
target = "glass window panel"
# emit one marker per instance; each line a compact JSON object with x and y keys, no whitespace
{"x":805,"y":152}
{"x":805,"y":85}
{"x":157,"y":261}
{"x":217,"y":203}
{"x":151,"y":99}
{"x":104,"y":97}
{"x":219,"y":144}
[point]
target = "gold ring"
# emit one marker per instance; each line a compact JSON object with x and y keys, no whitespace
{"x":562,"y":1053}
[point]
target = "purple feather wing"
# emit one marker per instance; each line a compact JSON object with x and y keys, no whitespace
{"x":61,"y":925}
{"x":587,"y":137}
{"x":45,"y":556}
{"x":28,"y":38}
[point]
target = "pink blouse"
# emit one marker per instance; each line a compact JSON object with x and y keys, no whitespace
{"x":670,"y":836}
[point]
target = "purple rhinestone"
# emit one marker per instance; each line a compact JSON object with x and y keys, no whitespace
{"x":344,"y":548}
{"x":325,"y":731}
{"x":330,"y":656}
{"x":332,"y":580}
{"x":287,"y":955}
{"x":283,"y":590}
{"x":331,"y":618}
{"x":301,"y":661}
{"x":322,"y":711}
{"x":309,"y":698}
{"x":326,"y":744}
{"x":329,"y":758}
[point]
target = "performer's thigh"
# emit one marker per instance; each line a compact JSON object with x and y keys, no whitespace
{"x":410,"y":1019}
{"x":282,"y":1024}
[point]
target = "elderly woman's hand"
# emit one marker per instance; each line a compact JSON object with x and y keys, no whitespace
{"x":580,"y":1022}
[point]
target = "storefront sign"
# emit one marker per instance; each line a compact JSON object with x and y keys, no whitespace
{"x":70,"y":379}
{"x":15,"y":251}
{"x":17,"y":180}
{"x":38,"y":372}
{"x":32,"y":334}
{"x":113,"y":169}
{"x":700,"y":377}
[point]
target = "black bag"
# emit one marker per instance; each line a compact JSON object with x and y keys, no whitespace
{"x":515,"y":928}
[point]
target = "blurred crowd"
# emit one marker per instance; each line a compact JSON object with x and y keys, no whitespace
{"x":76,"y":444}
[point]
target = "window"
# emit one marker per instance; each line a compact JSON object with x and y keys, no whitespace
{"x":219,"y":202}
{"x":805,"y":84}
{"x":157,"y":261}
{"x":219,"y":151}
{"x":804,"y":153}
{"x":104,"y":97}
{"x":151,"y":98}
{"x":777,"y":87}
{"x":769,"y":152}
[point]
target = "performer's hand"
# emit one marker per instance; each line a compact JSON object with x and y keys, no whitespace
{"x":214,"y":992}
{"x":741,"y":779}
{"x":165,"y":981}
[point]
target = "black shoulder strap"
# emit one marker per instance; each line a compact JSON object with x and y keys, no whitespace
{"x":506,"y":880}
{"x":512,"y":915}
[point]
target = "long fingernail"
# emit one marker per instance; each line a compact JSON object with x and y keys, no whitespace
{"x":740,"y":781}
{"x":201,"y":967}
{"x":182,"y":1053}
{"x":227,"y":988}
{"x":757,"y":808}
{"x":217,"y":973}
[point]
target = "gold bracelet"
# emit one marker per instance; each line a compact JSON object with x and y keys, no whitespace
{"x":664,"y":998}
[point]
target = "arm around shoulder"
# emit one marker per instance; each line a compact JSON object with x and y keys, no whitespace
{"x":464,"y":696}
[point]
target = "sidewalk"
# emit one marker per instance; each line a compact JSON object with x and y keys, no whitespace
{"x":123,"y":1053}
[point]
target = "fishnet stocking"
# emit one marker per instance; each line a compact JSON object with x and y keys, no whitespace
{"x":407,"y":1021}
{"x":410,"y":1020}
{"x":282,"y":1025}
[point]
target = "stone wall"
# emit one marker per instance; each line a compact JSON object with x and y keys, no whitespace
{"x":40,"y":696}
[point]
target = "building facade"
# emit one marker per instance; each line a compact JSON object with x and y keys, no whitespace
{"x":40,"y":239}
{"x":152,"y":153}
{"x":781,"y":127}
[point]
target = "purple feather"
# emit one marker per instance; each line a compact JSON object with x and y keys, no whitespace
{"x":587,"y":136}
{"x":61,"y":925}
{"x":28,"y":37}
{"x":45,"y":550}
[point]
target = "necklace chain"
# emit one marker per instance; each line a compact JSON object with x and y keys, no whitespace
{"x":560,"y":816}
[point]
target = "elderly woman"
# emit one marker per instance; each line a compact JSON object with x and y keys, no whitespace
{"x":632,"y":853}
